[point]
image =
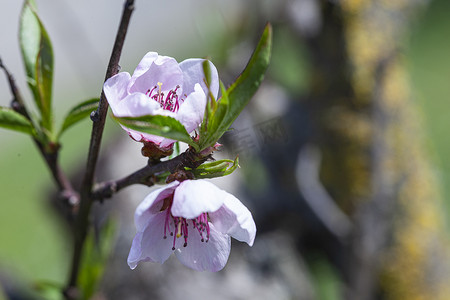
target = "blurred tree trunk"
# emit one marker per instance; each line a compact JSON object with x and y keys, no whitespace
{"x":374,"y":164}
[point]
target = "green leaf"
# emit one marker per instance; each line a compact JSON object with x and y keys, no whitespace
{"x":215,"y":127}
{"x":37,"y":55}
{"x":96,"y":252}
{"x":13,"y":120}
{"x":240,"y":92}
{"x":158,"y":125}
{"x":49,"y":290}
{"x":246,"y":85}
{"x":217,"y":168}
{"x":78,"y":113}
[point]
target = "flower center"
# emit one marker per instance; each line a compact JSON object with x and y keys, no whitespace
{"x":181,"y":226}
{"x":168,"y":102}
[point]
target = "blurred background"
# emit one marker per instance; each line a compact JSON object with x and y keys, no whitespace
{"x":343,"y":151}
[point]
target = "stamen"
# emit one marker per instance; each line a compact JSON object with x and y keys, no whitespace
{"x":175,"y":235}
{"x":181,"y":226}
{"x":150,"y":92}
{"x":169,"y":102}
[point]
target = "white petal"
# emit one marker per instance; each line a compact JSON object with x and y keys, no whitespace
{"x":192,"y":110}
{"x":145,"y":137}
{"x":144,"y":64}
{"x":150,"y":244}
{"x":235,"y":219}
{"x":134,"y":257}
{"x":194,"y":197}
{"x":165,"y":143}
{"x":162,"y":142}
{"x":115,"y":89}
{"x":205,"y":256}
{"x":193,"y":73}
{"x":154,"y":138}
{"x":136,"y":105}
{"x":152,"y":204}
{"x":163,"y":69}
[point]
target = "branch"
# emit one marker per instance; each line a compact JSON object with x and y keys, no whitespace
{"x":49,"y":153}
{"x":373,"y":219}
{"x":98,"y":117}
{"x":144,"y":176}
{"x":17,"y":102}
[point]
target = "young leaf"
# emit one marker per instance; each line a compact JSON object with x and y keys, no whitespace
{"x":215,"y":127}
{"x":246,"y":85}
{"x":97,"y":249}
{"x":240,"y":92}
{"x":78,"y":113}
{"x":158,"y":125}
{"x":217,"y":168}
{"x":48,"y":290}
{"x":13,"y":120}
{"x":37,"y":55}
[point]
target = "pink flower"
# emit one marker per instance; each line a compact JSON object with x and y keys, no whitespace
{"x":194,"y":219}
{"x":161,"y":86}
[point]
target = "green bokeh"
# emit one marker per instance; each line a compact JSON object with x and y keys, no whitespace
{"x":31,"y":238}
{"x":429,"y":65}
{"x":34,"y":244}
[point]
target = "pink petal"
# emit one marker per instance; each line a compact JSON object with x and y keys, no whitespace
{"x":205,"y":256}
{"x":134,"y":257}
{"x":136,"y":105}
{"x":163,"y":69}
{"x":194,"y":197}
{"x":234,"y":219}
{"x":150,"y":245}
{"x":158,"y":140}
{"x":152,"y":205}
{"x":193,"y":73}
{"x":192,"y":110}
{"x":141,"y":136}
{"x":144,"y":64}
{"x":115,"y":89}
{"x":165,"y":142}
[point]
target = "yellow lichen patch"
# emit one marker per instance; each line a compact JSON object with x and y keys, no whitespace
{"x":418,"y":226}
{"x":408,"y":268}
{"x":395,"y":87}
{"x":353,"y":6}
{"x":347,"y":177}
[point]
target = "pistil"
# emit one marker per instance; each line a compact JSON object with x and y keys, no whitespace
{"x":170,"y":102}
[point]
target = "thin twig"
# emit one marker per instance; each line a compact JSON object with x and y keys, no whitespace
{"x":189,"y":159}
{"x":17,"y":103}
{"x":100,"y":115}
{"x":49,"y":153}
{"x":82,"y":220}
